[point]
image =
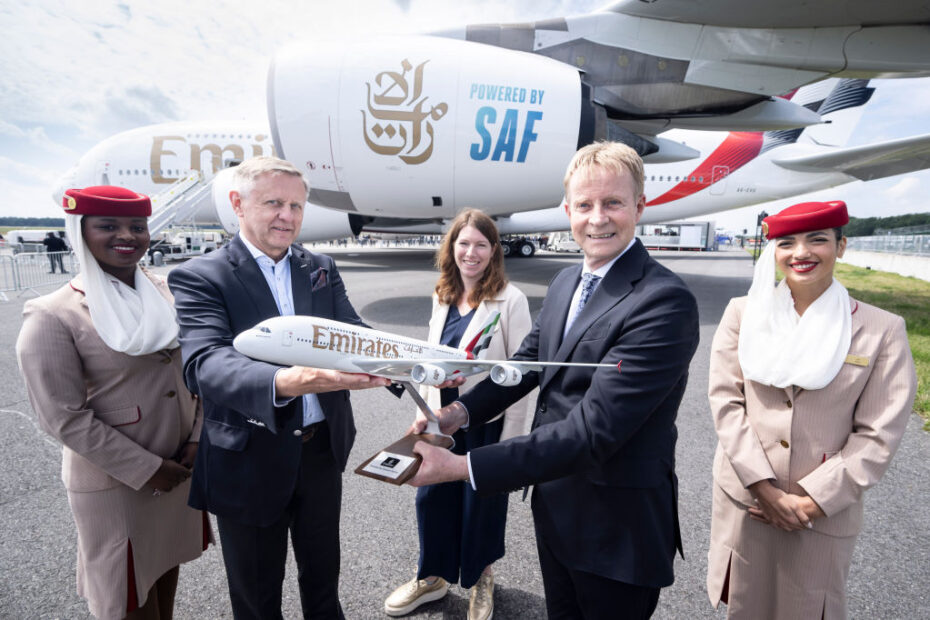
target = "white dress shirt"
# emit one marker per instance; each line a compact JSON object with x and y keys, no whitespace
{"x":278,"y":276}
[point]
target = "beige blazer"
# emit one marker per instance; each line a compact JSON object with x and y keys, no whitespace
{"x":831,"y":444}
{"x":512,"y":328}
{"x":99,"y":403}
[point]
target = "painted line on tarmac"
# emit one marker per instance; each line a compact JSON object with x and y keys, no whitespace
{"x":42,"y":435}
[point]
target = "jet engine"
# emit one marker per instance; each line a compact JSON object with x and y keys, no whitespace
{"x":430,"y":374}
{"x":506,"y":375}
{"x":419,"y":127}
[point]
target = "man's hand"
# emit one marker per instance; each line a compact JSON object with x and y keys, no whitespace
{"x":439,"y":465}
{"x":299,"y":380}
{"x":168,"y":476}
{"x":785,"y":511}
{"x":451,"y":418}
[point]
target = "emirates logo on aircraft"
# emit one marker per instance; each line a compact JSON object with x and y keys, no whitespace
{"x":403,"y":119}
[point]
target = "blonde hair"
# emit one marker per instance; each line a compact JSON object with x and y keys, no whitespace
{"x":450,"y":287}
{"x":614,"y":156}
{"x":246,"y":173}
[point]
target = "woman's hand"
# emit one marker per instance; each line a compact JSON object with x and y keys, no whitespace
{"x":187,"y":454}
{"x":785,"y":511}
{"x":168,"y":476}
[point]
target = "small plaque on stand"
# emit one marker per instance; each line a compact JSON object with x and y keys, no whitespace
{"x":398,"y":462}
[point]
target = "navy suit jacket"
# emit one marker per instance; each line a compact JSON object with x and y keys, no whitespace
{"x":602,"y":448}
{"x":247,"y":462}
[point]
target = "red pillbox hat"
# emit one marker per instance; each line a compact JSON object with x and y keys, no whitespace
{"x":106,"y":200}
{"x":804,"y":217}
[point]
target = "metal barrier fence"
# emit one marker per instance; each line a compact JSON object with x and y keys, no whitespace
{"x":896,"y":244}
{"x":29,"y":271}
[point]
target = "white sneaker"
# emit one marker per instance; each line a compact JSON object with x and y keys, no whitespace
{"x":414,"y":593}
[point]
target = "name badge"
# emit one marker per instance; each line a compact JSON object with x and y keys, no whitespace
{"x":857,"y":360}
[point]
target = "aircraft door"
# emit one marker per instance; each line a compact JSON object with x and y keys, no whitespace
{"x":719,"y":180}
{"x":102,"y":173}
{"x":287,"y":337}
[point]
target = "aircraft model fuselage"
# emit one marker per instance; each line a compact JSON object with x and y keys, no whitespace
{"x":324,"y":343}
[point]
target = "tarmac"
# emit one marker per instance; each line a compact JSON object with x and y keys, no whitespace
{"x":390,"y":289}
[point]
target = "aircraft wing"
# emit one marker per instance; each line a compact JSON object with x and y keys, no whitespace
{"x":397,"y":368}
{"x":868,"y":162}
{"x":650,"y":66}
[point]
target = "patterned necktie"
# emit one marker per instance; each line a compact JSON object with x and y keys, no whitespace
{"x":588,"y":284}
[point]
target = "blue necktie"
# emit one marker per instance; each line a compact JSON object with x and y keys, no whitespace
{"x":588,"y":284}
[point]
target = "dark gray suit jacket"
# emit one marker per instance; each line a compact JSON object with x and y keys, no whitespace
{"x":602,"y":448}
{"x":248,"y":458}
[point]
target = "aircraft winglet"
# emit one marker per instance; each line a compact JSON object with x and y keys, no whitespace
{"x":482,"y":339}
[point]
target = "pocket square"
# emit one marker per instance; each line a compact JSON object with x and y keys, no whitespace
{"x":318,"y":279}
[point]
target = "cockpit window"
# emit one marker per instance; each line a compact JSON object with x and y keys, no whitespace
{"x":264,"y":330}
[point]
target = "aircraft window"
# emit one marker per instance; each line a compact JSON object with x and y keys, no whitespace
{"x":661,"y":178}
{"x":144,"y":172}
{"x":692,"y":179}
{"x":677,"y":179}
{"x":121,"y":173}
{"x":700,"y":179}
{"x":264,"y":330}
{"x":135,"y":172}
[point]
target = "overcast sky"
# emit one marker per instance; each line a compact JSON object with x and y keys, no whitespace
{"x":75,"y":73}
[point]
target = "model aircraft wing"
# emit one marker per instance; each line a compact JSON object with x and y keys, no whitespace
{"x":402,"y":368}
{"x":869,"y":161}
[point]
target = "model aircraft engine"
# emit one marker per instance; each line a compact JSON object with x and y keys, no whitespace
{"x":319,"y":223}
{"x":506,"y":375}
{"x":429,"y":374}
{"x":420,"y":127}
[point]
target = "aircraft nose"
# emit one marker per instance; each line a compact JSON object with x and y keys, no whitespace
{"x":65,"y":182}
{"x":244,"y":341}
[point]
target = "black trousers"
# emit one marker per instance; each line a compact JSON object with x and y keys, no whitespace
{"x":575,"y":595}
{"x":255,"y":556}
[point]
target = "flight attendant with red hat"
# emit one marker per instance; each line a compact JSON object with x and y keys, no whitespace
{"x":810,"y":392}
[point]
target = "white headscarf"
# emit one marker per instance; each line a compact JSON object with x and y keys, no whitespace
{"x":777,"y":347}
{"x":135,"y":321}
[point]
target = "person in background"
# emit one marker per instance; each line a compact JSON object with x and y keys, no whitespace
{"x":54,"y":246}
{"x":462,"y":534}
{"x":103,"y":371}
{"x":810,"y":392}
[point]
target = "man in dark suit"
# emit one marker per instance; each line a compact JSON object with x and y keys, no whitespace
{"x":275,"y":440}
{"x":602,"y":449}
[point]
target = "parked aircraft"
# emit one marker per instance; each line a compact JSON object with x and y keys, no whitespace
{"x":324,"y":343}
{"x":398,"y":134}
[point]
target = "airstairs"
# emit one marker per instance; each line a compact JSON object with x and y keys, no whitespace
{"x":178,"y":202}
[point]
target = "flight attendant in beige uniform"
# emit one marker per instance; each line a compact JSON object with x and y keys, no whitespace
{"x":102,"y":367}
{"x":810,"y":391}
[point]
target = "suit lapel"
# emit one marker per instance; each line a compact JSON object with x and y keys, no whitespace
{"x":561,"y":292}
{"x":616,"y":285}
{"x":301,"y":268}
{"x":250,"y":276}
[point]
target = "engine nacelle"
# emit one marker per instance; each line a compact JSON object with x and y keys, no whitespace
{"x":429,"y":374}
{"x":319,"y":223}
{"x":506,"y":375}
{"x":421,"y":127}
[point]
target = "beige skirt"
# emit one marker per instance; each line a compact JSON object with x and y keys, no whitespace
{"x":162,"y":531}
{"x":774,"y":574}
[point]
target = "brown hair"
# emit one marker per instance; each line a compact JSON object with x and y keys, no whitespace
{"x":450,"y":287}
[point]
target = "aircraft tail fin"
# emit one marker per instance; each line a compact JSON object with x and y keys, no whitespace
{"x":479,"y":344}
{"x":840,"y":102}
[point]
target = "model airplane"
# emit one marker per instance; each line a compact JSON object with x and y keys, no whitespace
{"x":323,"y":343}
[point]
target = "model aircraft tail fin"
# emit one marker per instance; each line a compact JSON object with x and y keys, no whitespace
{"x":479,"y":344}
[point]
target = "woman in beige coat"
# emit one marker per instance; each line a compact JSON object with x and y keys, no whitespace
{"x":810,"y":392}
{"x":103,"y":372}
{"x":462,"y":534}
